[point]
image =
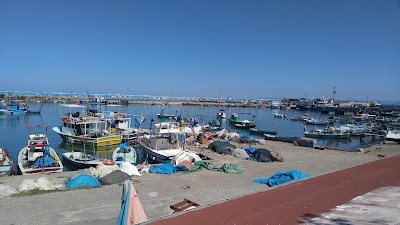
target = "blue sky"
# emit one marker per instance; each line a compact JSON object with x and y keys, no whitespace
{"x":260,"y":49}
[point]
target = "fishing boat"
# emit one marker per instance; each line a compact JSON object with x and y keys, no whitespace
{"x":162,"y":115}
{"x":214,"y":125}
{"x":328,"y":133}
{"x":166,"y":143}
{"x":246,"y":124}
{"x":5,"y":111}
{"x":6,"y":163}
{"x":234,"y":118}
{"x":261,"y":132}
{"x":393,"y":135}
{"x":313,"y":121}
{"x":279,"y":115}
{"x":38,"y":157}
{"x":275,"y":105}
{"x":121,"y":123}
{"x":300,"y":118}
{"x":272,"y":137}
{"x":10,"y":108}
{"x":305,"y":103}
{"x":221,"y":114}
{"x":356,"y":129}
{"x":80,"y":160}
{"x":91,"y":130}
{"x":34,"y":111}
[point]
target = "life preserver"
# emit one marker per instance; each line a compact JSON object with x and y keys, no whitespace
{"x":108,"y":162}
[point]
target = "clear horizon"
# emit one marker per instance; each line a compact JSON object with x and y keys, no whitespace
{"x":253,"y":49}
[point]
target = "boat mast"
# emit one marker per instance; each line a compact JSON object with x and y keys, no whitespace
{"x":220,"y":98}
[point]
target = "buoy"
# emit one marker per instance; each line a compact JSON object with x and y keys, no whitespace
{"x":108,"y":162}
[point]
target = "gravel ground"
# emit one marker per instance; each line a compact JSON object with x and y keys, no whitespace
{"x":157,"y":192}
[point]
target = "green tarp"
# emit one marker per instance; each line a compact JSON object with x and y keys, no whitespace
{"x":218,"y":145}
{"x":226,"y":167}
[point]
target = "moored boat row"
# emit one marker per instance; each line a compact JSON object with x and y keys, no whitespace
{"x":95,"y":126}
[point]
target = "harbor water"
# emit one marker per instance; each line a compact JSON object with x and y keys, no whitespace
{"x":14,"y":129}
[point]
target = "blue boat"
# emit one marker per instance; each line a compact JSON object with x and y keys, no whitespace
{"x":12,"y":109}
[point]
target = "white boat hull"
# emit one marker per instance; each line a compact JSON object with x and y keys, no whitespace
{"x":393,"y":136}
{"x":124,"y":155}
{"x":27,"y":167}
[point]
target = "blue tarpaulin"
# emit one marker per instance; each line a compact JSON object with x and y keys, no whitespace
{"x":46,"y":151}
{"x":167,"y":168}
{"x":250,"y":151}
{"x":83,"y":180}
{"x":44,"y":162}
{"x":281,"y":178}
{"x":123,"y":148}
{"x":137,"y":122}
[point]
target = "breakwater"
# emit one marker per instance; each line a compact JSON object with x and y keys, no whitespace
{"x":223,"y":103}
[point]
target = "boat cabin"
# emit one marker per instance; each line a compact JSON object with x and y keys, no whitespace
{"x":36,"y":146}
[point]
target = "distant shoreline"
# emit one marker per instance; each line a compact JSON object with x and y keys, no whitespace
{"x":41,"y":98}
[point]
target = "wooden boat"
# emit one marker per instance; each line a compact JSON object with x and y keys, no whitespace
{"x":356,"y":129}
{"x":261,"y":132}
{"x":84,"y":129}
{"x":275,"y":105}
{"x":279,"y":115}
{"x":313,"y":121}
{"x":300,"y":118}
{"x":34,"y":111}
{"x":245,"y":124}
{"x":166,"y":142}
{"x":279,"y":138}
{"x":393,"y":135}
{"x":214,"y":125}
{"x":12,"y":109}
{"x":38,"y":157}
{"x":124,"y":153}
{"x":162,"y":115}
{"x":121,"y":123}
{"x":234,"y":118}
{"x":6,"y":163}
{"x":221,"y":114}
{"x":80,"y":160}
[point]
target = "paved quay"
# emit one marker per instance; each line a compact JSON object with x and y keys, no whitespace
{"x":296,"y":202}
{"x":207,"y":188}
